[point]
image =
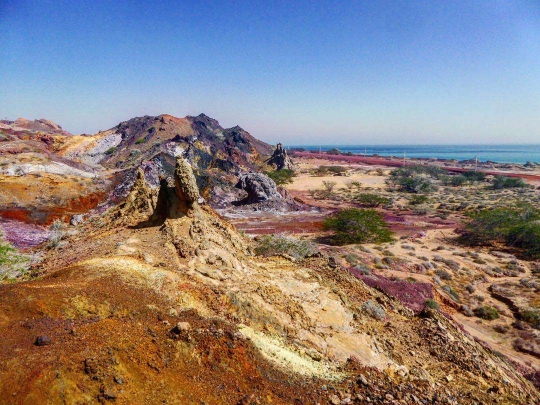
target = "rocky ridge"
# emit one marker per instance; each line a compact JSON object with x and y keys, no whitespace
{"x":172,"y":296}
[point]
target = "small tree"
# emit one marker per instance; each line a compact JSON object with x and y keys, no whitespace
{"x":358,"y":226}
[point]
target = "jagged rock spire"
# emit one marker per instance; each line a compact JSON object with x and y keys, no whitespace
{"x":280,"y":159}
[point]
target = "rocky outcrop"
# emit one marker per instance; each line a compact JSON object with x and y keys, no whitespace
{"x":186,"y":185}
{"x":259,"y":187}
{"x":149,"y":203}
{"x":279,"y":159}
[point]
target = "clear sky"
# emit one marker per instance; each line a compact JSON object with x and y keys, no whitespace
{"x":345,"y":72}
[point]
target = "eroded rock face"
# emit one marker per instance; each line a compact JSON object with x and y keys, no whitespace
{"x":280,"y":160}
{"x":259,"y":188}
{"x":185,"y":184}
{"x":151,"y":200}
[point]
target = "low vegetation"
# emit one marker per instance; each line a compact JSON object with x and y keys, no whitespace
{"x":372,"y":200}
{"x":358,"y":226}
{"x":415,"y":179}
{"x":486,"y":312}
{"x":374,"y":310}
{"x":508,"y":182}
{"x":12,"y":263}
{"x":517,"y":227}
{"x":281,"y":177}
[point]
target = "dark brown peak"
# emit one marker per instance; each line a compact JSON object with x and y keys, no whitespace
{"x":137,"y":126}
{"x":203,"y":120}
{"x":237,"y":135}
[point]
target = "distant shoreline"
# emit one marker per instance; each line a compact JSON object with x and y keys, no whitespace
{"x":520,"y":154}
{"x":531,"y":174}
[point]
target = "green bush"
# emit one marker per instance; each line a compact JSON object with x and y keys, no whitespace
{"x":337,"y":169}
{"x":414,"y":179}
{"x":432,"y":304}
{"x":110,"y":151}
{"x":473,"y":176}
{"x":139,"y":141}
{"x":457,"y":181}
{"x":531,"y":316}
{"x":273,"y":245}
{"x":282,"y":177}
{"x":508,"y":182}
{"x":371,"y":200}
{"x":358,"y":226}
{"x":518,"y":226}
{"x":526,"y":237}
{"x":486,"y":312}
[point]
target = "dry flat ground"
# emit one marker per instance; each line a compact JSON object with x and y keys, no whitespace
{"x":427,"y":250}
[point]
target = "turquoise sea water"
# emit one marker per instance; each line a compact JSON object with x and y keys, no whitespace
{"x":495,"y":153}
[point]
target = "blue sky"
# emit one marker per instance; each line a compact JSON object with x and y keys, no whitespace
{"x":359,"y":72}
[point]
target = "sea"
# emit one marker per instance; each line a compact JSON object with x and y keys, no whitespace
{"x":520,"y":154}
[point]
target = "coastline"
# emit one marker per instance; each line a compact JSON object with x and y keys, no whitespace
{"x":532,"y":174}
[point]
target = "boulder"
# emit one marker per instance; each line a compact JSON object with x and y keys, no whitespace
{"x":76,"y":220}
{"x":259,"y":188}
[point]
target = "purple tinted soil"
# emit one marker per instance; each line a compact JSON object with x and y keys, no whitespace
{"x":412,"y":295}
{"x":22,"y":235}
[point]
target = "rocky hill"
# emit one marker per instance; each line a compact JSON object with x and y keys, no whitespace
{"x":38,"y":184}
{"x":217,"y":154}
{"x":48,"y":173}
{"x":159,"y":300}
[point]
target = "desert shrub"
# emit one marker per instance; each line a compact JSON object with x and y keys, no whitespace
{"x":371,"y":200}
{"x":531,"y":316}
{"x":358,"y":226}
{"x":362,"y":268}
{"x":470,"y":288}
{"x":139,"y":141}
{"x":518,"y":227}
{"x":58,"y":232}
{"x":508,"y":182}
{"x":272,"y":245}
{"x":413,"y":179}
{"x":451,"y":292}
{"x":329,"y":186}
{"x":473,"y":176}
{"x":443,"y":274}
{"x":111,"y":150}
{"x":321,"y":171}
{"x":486,"y":312}
{"x":432,"y":304}
{"x":527,"y":237}
{"x":457,"y":181}
{"x":352,"y":184}
{"x":374,"y":310}
{"x":418,"y":199}
{"x":281,"y":177}
{"x":337,"y":169}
